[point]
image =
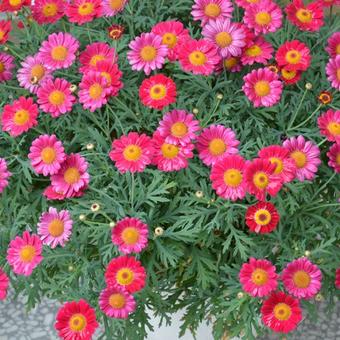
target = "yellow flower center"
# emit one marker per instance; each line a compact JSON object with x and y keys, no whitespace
{"x":158,"y":91}
{"x":304,"y":15}
{"x":197,"y":58}
{"x":27,"y":253}
{"x":50,"y":9}
{"x":56,"y":227}
{"x":124,"y":276}
{"x":261,"y":180}
{"x":116,"y":4}
{"x":130,"y":235}
{"x":301,"y":279}
{"x":223,"y":39}
{"x":169,"y":150}
{"x":230,"y":62}
{"x":293,"y":57}
{"x":48,"y":155}
{"x":179,"y":129}
{"x":21,"y":117}
{"x":2,"y":67}
{"x":86,"y":9}
{"x":259,"y":277}
{"x":59,"y":53}
{"x":252,"y":1}
{"x":148,"y":53}
{"x":56,"y":97}
{"x":263,"y":18}
{"x":37,"y":71}
{"x":117,"y":301}
{"x":95,"y":91}
{"x":71,"y":175}
{"x":253,"y":51}
{"x":337,"y":159}
{"x":217,"y":146}
{"x":282,"y":311}
{"x":212,"y":10}
{"x":288,"y":74}
{"x":338,"y":74}
{"x":279,"y":164}
{"x":15,"y":3}
{"x":262,"y":88}
{"x":337,"y":49}
{"x":2,"y":34}
{"x":334,"y":128}
{"x":169,"y":39}
{"x":95,"y":59}
{"x":262,"y":217}
{"x":132,"y":152}
{"x":77,"y":322}
{"x":232,"y":177}
{"x":107,"y":76}
{"x":300,"y":158}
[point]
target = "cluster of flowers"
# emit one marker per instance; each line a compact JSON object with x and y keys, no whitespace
{"x":333,"y":66}
{"x":302,"y":280}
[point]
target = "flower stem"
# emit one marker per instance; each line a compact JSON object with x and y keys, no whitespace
{"x":306,"y":120}
{"x":297,"y":110}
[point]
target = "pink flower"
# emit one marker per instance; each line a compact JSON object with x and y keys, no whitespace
{"x":258,"y":277}
{"x":147,"y":53}
{"x":6,"y":66}
{"x":72,"y":177}
{"x":334,"y":157}
{"x":329,"y":125}
{"x":47,"y":11}
{"x":4,"y":174}
{"x":116,"y":302}
{"x":198,"y":56}
{"x":227,"y":177}
{"x":112,"y":7}
{"x":205,"y":10}
{"x":4,"y":283}
{"x":83,"y":11}
{"x":333,"y":45}
{"x":112,"y":74}
{"x":306,"y":156}
{"x":337,"y":278}
{"x":215,"y":142}
{"x":178,"y":126}
{"x":170,"y":156}
{"x":262,"y":87}
{"x":51,"y":194}
{"x":130,"y":235}
{"x":302,"y":278}
{"x":132,"y":152}
{"x":55,"y":228}
{"x":246,"y":3}
{"x":33,"y":74}
{"x":59,"y":50}
{"x":24,"y":253}
{"x":332,"y":71}
{"x":257,"y":51}
{"x":231,"y":64}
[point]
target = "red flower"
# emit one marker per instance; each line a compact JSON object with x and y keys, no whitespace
{"x":290,"y":76}
{"x":337,"y":278}
{"x":116,"y":31}
{"x":13,"y":6}
{"x":5,"y":28}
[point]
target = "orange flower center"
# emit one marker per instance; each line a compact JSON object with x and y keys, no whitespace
{"x":21,"y":117}
{"x":158,"y":91}
{"x":262,"y":88}
{"x":169,"y":39}
{"x":304,"y":15}
{"x":2,"y":67}
{"x":71,"y":175}
{"x":293,"y":57}
{"x":263,"y":18}
{"x":217,"y":146}
{"x":232,"y":177}
{"x":300,"y":158}
{"x":279,"y":164}
{"x":179,"y":129}
{"x":48,"y":155}
{"x":37,"y":71}
{"x":212,"y":10}
{"x":301,"y":279}
{"x":259,"y":277}
{"x":230,"y":62}
{"x":338,"y":74}
{"x":116,"y":4}
{"x":77,"y":322}
{"x":59,"y":53}
{"x":130,"y":235}
{"x":117,"y":301}
{"x":56,"y":97}
{"x":262,"y":217}
{"x":27,"y":253}
{"x":197,"y":58}
{"x":261,"y":180}
{"x":50,"y":9}
{"x":132,"y":152}
{"x":337,"y":159}
{"x":148,"y":53}
{"x":337,"y":49}
{"x":223,"y":39}
{"x":288,"y":74}
{"x":2,"y":34}
{"x":95,"y":59}
{"x":169,"y":151}
{"x":124,"y":276}
{"x":95,"y":91}
{"x":253,"y":51}
{"x":15,"y":3}
{"x":334,"y":128}
{"x":86,"y":9}
{"x":56,"y":227}
{"x":282,"y":311}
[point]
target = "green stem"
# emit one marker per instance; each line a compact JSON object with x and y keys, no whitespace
{"x":306,"y":120}
{"x":297,"y":110}
{"x":212,"y":113}
{"x":323,"y":141}
{"x":324,"y":186}
{"x":132,"y":189}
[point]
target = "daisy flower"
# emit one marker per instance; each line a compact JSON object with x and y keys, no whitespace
{"x":59,"y":50}
{"x":13,"y":5}
{"x":116,"y":302}
{"x":20,"y":116}
{"x":261,"y":179}
{"x":157,"y":92}
{"x":334,"y":157}
{"x":112,"y":74}
{"x":116,"y":31}
{"x":263,"y":17}
{"x":132,"y":152}
{"x":246,"y":3}
{"x":293,"y":56}
{"x":172,"y":33}
{"x":112,"y":7}
{"x":33,"y":73}
{"x":5,"y":28}
{"x":170,"y":156}
{"x":227,"y":177}
{"x":72,"y":176}
{"x":83,"y":11}
{"x":4,"y":175}
{"x":76,"y":320}
{"x":329,"y":125}
{"x":24,"y":253}
{"x":126,"y":272}
{"x":279,"y":156}
{"x":55,"y":228}
{"x":262,"y":217}
{"x":178,"y":126}
{"x":47,"y":11}
{"x":289,"y":76}
{"x":257,"y":51}
{"x":55,"y":97}
{"x":229,"y":37}
{"x":337,"y":278}
{"x":130,"y":235}
{"x":6,"y":66}
{"x":46,"y":155}
{"x":332,"y":71}
{"x":4,"y":283}
{"x":333,"y":45}
{"x":51,"y":194}
{"x":198,"y":56}
{"x":231,"y":64}
{"x":281,"y":313}
{"x":262,"y":87}
{"x":205,"y":10}
{"x":325,"y":97}
{"x":147,"y":53}
{"x":215,"y":142}
{"x":306,"y":156}
{"x":306,"y":18}
{"x":258,"y":277}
